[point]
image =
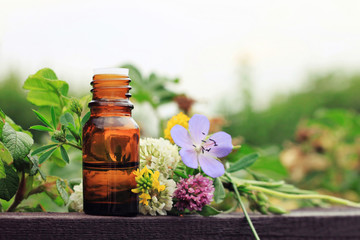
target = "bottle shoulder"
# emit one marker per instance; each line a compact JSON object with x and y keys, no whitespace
{"x":119,"y":122}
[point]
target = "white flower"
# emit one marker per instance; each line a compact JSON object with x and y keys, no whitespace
{"x":76,"y":198}
{"x":160,"y":202}
{"x":159,"y":155}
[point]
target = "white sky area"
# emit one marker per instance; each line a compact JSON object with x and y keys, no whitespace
{"x":203,"y":42}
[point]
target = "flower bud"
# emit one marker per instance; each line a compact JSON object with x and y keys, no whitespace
{"x":276,"y":210}
{"x":76,"y":107}
{"x":262,"y":197}
{"x":59,"y":136}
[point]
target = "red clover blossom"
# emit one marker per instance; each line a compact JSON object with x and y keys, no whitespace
{"x":194,"y":193}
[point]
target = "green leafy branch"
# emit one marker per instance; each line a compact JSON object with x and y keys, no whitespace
{"x":62,"y":117}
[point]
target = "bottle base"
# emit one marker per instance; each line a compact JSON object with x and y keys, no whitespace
{"x":105,"y":209}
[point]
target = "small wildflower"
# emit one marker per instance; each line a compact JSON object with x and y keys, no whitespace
{"x":160,"y":202}
{"x":76,"y":198}
{"x":159,"y":155}
{"x":147,"y":181}
{"x":194,"y":193}
{"x":198,"y":148}
{"x":144,"y":198}
{"x":179,"y":119}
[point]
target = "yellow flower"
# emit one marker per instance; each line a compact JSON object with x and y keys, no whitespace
{"x":179,"y":119}
{"x":144,"y":197}
{"x":147,"y":181}
{"x":156,"y":183}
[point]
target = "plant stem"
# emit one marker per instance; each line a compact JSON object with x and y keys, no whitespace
{"x":236,"y":147}
{"x":19,"y":194}
{"x":245,"y":212}
{"x":242,"y":206}
{"x":73,"y":145}
{"x":305,"y":196}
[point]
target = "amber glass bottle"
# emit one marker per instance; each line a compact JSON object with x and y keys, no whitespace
{"x":110,"y":147}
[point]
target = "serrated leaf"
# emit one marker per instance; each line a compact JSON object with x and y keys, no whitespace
{"x":67,"y":119}
{"x":5,"y":155}
{"x":22,"y":164}
{"x":61,"y":185}
{"x":9,"y":184}
{"x":53,"y":117}
{"x":243,"y":163}
{"x":85,"y":119}
{"x":46,"y":155}
{"x":41,"y":128}
{"x":219,"y":193}
{"x":42,"y":149}
{"x":207,"y":211}
{"x":64,"y":154}
{"x":18,"y":143}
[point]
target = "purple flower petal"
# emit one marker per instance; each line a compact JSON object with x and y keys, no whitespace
{"x":219,"y":144}
{"x":198,"y":127}
{"x":211,"y":166}
{"x":189,"y":157}
{"x":181,"y":137}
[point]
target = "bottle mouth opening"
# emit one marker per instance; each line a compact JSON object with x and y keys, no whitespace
{"x":117,"y":71}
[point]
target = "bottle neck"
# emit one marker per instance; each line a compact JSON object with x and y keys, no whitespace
{"x":111,"y":95}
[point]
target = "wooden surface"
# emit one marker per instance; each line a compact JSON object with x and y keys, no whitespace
{"x":305,"y":224}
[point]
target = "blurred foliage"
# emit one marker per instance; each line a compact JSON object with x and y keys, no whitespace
{"x":13,"y":102}
{"x":278,"y":122}
{"x":326,"y":153}
{"x":153,"y":89}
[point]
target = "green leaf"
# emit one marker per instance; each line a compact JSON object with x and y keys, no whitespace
{"x":53,"y":117}
{"x":243,"y":163}
{"x":219,"y":193}
{"x":85,"y":119}
{"x":61,"y":186}
{"x":2,"y":170}
{"x":45,"y":89}
{"x":36,"y":168}
{"x":64,"y":154}
{"x":5,"y":155}
{"x":2,"y":115}
{"x":18,"y":143}
{"x":41,"y":128}
{"x":9,"y":184}
{"x":189,"y":171}
{"x":46,"y":155}
{"x":180,"y":174}
{"x":207,"y":210}
{"x":43,"y":149}
{"x":22,"y":164}
{"x":288,"y":188}
{"x":67,"y":119}
{"x":1,"y":128}
{"x":42,"y":119}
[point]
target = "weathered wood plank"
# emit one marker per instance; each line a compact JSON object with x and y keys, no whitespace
{"x":305,"y":224}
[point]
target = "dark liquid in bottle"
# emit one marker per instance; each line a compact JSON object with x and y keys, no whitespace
{"x":110,"y":155}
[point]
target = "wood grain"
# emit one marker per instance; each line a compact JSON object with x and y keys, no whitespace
{"x":305,"y":224}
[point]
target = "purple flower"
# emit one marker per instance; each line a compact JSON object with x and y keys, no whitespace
{"x":194,"y":193}
{"x":198,"y":148}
